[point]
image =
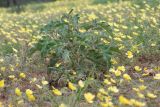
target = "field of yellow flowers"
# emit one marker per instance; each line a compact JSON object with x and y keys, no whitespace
{"x":133,"y":80}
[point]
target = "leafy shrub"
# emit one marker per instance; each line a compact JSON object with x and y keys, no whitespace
{"x":73,"y":46}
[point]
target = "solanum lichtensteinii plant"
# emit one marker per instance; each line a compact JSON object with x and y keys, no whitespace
{"x":84,"y":47}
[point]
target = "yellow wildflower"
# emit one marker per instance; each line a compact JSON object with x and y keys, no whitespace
{"x":1,"y":60}
{"x":62,"y":105}
{"x":121,"y":68}
{"x":40,"y":87}
{"x":3,"y":69}
{"x":137,"y":103}
{"x":126,"y":77}
{"x":10,"y":105}
{"x":81,"y":83}
{"x":1,"y":104}
{"x":58,"y":64}
{"x":102,"y":91}
{"x":2,"y":83}
{"x":18,"y":92}
{"x":136,"y":89}
{"x":124,"y":100}
{"x":31,"y":97}
{"x":157,"y":76}
{"x":44,"y":82}
{"x":112,"y":80}
{"x":140,"y":95}
{"x":113,"y":61}
{"x":89,"y":97}
{"x":33,"y":80}
{"x":113,"y":89}
{"x":140,"y":80}
{"x":137,"y":68}
{"x":129,"y":54}
{"x":12,"y":68}
{"x":20,"y":101}
{"x":142,"y":87}
{"x":22,"y":75}
{"x":11,"y":76}
{"x":150,"y":95}
{"x":145,"y":74}
{"x":56,"y":92}
{"x":29,"y":92}
{"x":117,"y":73}
{"x":106,"y":81}
{"x":71,"y":86}
{"x":112,"y":70}
{"x":106,"y":104}
{"x":100,"y":96}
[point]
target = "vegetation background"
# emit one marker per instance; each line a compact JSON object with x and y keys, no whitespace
{"x":79,"y":53}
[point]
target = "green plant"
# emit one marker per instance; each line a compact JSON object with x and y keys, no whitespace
{"x":82,"y":47}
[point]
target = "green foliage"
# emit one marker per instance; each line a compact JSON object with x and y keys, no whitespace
{"x":7,"y":48}
{"x":152,"y":3}
{"x":77,"y":46}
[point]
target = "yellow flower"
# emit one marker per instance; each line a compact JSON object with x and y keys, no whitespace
{"x":113,"y":89}
{"x":150,"y":95}
{"x":1,"y":104}
{"x":81,"y":83}
{"x":89,"y":97}
{"x":157,"y":76}
{"x":137,"y":68}
{"x":18,"y":92}
{"x":29,"y":92}
{"x":117,"y":73}
{"x":124,"y":100}
{"x":140,"y":95}
{"x":140,"y":80}
{"x":106,"y":81}
{"x":112,"y":70}
{"x":62,"y":105}
{"x":142,"y":87}
{"x":74,"y":73}
{"x":136,"y":89}
{"x":136,"y":103}
{"x":12,"y":68}
{"x":56,"y":92}
{"x":58,"y":64}
{"x":3,"y":69}
{"x":121,"y":68}
{"x":20,"y":101}
{"x":112,"y":80}
{"x":92,"y":16}
{"x":10,"y":105}
{"x":1,"y":60}
{"x":22,"y":75}
{"x":31,"y":97}
{"x":129,"y":54}
{"x":11,"y":76}
{"x":102,"y":91}
{"x":113,"y":61}
{"x":106,"y":104}
{"x":2,"y":83}
{"x":40,"y":87}
{"x":106,"y":75}
{"x":44,"y":82}
{"x":100,"y":96}
{"x":126,"y":77}
{"x":145,"y":74}
{"x":33,"y":80}
{"x":71,"y":86}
